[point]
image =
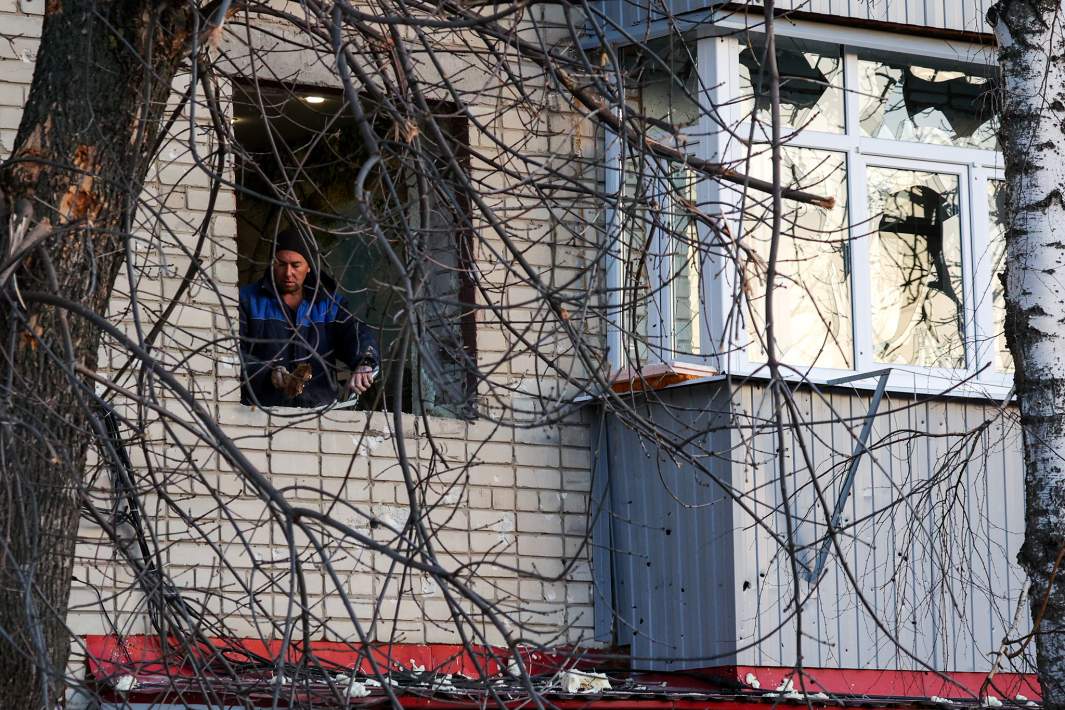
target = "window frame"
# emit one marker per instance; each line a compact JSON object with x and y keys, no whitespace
{"x":718,"y":66}
{"x":463,"y":243}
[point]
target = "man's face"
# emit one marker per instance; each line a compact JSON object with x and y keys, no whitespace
{"x":290,"y":271}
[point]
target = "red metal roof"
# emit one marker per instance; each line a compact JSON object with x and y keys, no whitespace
{"x":433,"y":676}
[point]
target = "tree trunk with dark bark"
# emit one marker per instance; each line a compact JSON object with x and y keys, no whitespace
{"x":1031,"y":41}
{"x":103,"y":74}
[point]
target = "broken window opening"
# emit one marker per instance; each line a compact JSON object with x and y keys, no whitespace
{"x":300,"y":156}
{"x":811,"y":86}
{"x":926,"y":101}
{"x":916,"y":268}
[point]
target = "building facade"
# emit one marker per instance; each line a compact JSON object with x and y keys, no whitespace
{"x":869,"y":517}
{"x":869,"y":521}
{"x":506,"y":493}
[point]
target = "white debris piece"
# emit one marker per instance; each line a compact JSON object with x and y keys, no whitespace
{"x":578,"y":682}
{"x":752,"y":680}
{"x":415,"y":668}
{"x":818,"y":696}
{"x":356,"y":689}
{"x":940,"y":701}
{"x":785,"y":690}
{"x":125,"y":683}
{"x":513,"y":668}
{"x":1023,"y":700}
{"x":991,"y":702}
{"x":282,"y":679}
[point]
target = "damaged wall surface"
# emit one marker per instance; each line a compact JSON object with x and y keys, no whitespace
{"x":929,"y":533}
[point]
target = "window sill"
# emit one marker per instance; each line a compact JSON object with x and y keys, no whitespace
{"x":903,"y":381}
{"x":659,"y":375}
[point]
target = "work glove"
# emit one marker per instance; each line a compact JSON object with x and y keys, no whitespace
{"x":291,"y":384}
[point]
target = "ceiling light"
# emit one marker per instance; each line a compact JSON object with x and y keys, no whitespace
{"x":314,"y":99}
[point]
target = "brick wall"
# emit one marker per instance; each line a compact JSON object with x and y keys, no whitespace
{"x":508,"y":498}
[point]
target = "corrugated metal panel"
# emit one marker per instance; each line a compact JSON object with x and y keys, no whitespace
{"x":960,"y":15}
{"x":670,"y":532}
{"x":603,"y":544}
{"x":931,"y":532}
{"x":929,"y":549}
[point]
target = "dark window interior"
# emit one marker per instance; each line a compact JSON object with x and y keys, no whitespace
{"x":301,"y":145}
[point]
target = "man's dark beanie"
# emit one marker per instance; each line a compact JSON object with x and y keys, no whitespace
{"x":291,"y":240}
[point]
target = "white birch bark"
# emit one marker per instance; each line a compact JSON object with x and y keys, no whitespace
{"x":1031,"y":38}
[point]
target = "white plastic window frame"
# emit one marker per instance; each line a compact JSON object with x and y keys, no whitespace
{"x":718,"y":62}
{"x":660,"y":336}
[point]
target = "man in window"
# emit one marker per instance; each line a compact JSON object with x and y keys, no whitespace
{"x":294,"y":327}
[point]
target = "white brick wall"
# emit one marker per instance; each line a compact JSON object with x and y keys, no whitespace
{"x":519,"y":498}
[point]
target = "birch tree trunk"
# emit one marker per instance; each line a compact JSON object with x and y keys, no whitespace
{"x":1032,"y":56}
{"x":103,"y":73}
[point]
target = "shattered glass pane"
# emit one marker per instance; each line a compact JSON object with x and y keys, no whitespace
{"x":907,"y":102}
{"x":915,"y":268}
{"x":811,"y":297}
{"x":811,"y":87}
{"x":996,"y":252}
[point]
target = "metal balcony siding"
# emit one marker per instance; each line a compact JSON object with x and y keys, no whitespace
{"x":957,"y":15}
{"x":939,"y":571}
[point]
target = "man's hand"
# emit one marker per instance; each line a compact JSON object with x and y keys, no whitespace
{"x":291,"y":384}
{"x":361,"y":379}
{"x":278,"y":377}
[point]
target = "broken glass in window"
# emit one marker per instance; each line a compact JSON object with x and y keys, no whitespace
{"x":664,"y":88}
{"x":911,"y":102}
{"x":811,"y":296}
{"x":915,"y":268}
{"x":996,"y":254}
{"x":811,"y":86}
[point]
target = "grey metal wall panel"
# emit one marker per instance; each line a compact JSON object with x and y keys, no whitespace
{"x":932,"y":529}
{"x":927,"y":570}
{"x":671,"y":531}
{"x":602,"y":536}
{"x":961,"y":15}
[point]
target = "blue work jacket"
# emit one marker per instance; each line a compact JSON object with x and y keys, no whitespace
{"x":321,"y":331}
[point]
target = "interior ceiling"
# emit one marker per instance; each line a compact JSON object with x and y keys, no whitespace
{"x":287,"y":114}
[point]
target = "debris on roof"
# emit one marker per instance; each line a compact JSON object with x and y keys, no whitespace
{"x":438,"y":677}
